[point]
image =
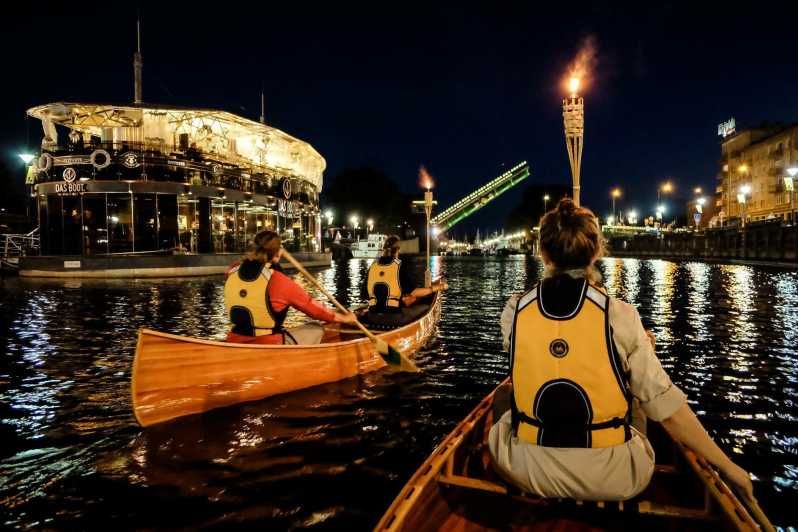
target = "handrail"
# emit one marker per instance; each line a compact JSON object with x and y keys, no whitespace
{"x":16,"y":245}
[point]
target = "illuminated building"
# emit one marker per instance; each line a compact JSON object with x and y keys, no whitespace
{"x":147,"y":178}
{"x":758,"y":157}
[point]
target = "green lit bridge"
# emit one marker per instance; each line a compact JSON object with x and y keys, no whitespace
{"x":479,"y":198}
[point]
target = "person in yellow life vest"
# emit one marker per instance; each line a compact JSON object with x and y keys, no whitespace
{"x":584,"y":376}
{"x":258,"y":295}
{"x":392,"y":299}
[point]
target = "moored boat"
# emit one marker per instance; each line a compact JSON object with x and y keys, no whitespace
{"x":174,"y":376}
{"x":369,"y":248}
{"x":457,"y":489}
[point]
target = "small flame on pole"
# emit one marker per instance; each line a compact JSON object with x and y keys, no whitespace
{"x":573,"y":85}
{"x":425,"y":179}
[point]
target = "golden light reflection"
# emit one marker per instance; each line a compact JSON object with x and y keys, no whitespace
{"x":631,"y":280}
{"x":662,"y":305}
{"x":698,"y":312}
{"x":612,"y":269}
{"x":742,"y":333}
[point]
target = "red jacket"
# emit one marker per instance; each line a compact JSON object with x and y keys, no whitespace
{"x":284,"y":292}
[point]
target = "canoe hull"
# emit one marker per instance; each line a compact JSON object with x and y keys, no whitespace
{"x":457,"y":489}
{"x":175,"y":376}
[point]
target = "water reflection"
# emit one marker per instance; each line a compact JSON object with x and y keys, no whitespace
{"x":662,"y":310}
{"x":72,"y":456}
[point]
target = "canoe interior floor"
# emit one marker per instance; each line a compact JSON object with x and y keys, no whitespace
{"x":674,"y":500}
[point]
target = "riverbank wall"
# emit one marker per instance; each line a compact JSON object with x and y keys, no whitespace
{"x":139,"y":266}
{"x":761,"y":242}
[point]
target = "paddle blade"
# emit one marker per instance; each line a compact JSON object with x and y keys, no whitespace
{"x":395,"y":358}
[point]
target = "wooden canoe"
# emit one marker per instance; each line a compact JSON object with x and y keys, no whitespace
{"x":174,"y":376}
{"x":456,"y":489}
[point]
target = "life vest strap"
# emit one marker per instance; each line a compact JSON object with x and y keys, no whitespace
{"x":613,"y":423}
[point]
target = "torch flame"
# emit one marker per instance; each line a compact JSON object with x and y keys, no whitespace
{"x":582,"y":65}
{"x":573,"y":85}
{"x":425,"y":180}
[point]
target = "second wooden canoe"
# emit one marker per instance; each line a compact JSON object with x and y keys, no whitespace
{"x":175,"y":376}
{"x":456,"y":489}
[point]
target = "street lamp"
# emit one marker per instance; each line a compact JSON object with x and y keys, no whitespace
{"x":546,"y":199}
{"x":699,"y":207}
{"x":666,"y":187}
{"x":355,"y":221}
{"x":26,"y":157}
{"x":660,"y":212}
{"x":369,"y":225}
{"x":697,"y":191}
{"x":328,"y":214}
{"x":789,"y":186}
{"x":616,"y":193}
{"x":742,"y":198}
{"x":631,"y":216}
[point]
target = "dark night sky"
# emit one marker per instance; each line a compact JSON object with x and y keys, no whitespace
{"x":461,"y":91}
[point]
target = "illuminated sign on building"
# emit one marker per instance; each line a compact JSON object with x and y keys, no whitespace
{"x":70,"y":188}
{"x":727,"y":128}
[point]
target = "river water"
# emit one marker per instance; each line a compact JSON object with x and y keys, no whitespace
{"x":333,"y":457}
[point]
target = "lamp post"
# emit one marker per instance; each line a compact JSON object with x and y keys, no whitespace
{"x":699,"y":207}
{"x":370,"y":226}
{"x":355,"y":224}
{"x":789,"y":185}
{"x":546,"y":199}
{"x":616,"y":193}
{"x":573,"y":117}
{"x":666,"y":187}
{"x":742,"y":199}
{"x":328,"y":214}
{"x":30,"y":180}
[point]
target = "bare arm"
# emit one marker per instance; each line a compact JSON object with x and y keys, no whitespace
{"x":684,"y":426}
{"x":419,"y":293}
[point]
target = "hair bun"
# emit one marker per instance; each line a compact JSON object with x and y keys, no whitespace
{"x":566,"y":208}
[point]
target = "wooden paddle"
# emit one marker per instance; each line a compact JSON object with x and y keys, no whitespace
{"x":391,"y":355}
{"x":752,"y":505}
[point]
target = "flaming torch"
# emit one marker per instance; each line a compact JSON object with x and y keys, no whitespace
{"x":427,"y":183}
{"x":573,"y":110}
{"x":573,"y":117}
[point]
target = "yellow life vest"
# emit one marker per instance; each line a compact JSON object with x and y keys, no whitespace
{"x":569,"y":387}
{"x":383,"y":284}
{"x":246,"y":302}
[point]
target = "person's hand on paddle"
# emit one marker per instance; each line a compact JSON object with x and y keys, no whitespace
{"x":348,"y":318}
{"x":739,"y":479}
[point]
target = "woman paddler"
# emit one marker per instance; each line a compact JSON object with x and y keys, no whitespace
{"x":257,"y":296}
{"x":579,"y":358}
{"x":393,"y":298}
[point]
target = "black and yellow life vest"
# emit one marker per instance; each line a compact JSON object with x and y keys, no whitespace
{"x":384,"y":287}
{"x":569,"y":387}
{"x":246,"y":300}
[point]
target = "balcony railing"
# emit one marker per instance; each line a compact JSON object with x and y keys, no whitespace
{"x":148,"y":162}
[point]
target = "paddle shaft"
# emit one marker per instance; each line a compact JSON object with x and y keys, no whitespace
{"x":318,"y":285}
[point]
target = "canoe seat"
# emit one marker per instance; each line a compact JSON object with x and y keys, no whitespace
{"x":636,"y":505}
